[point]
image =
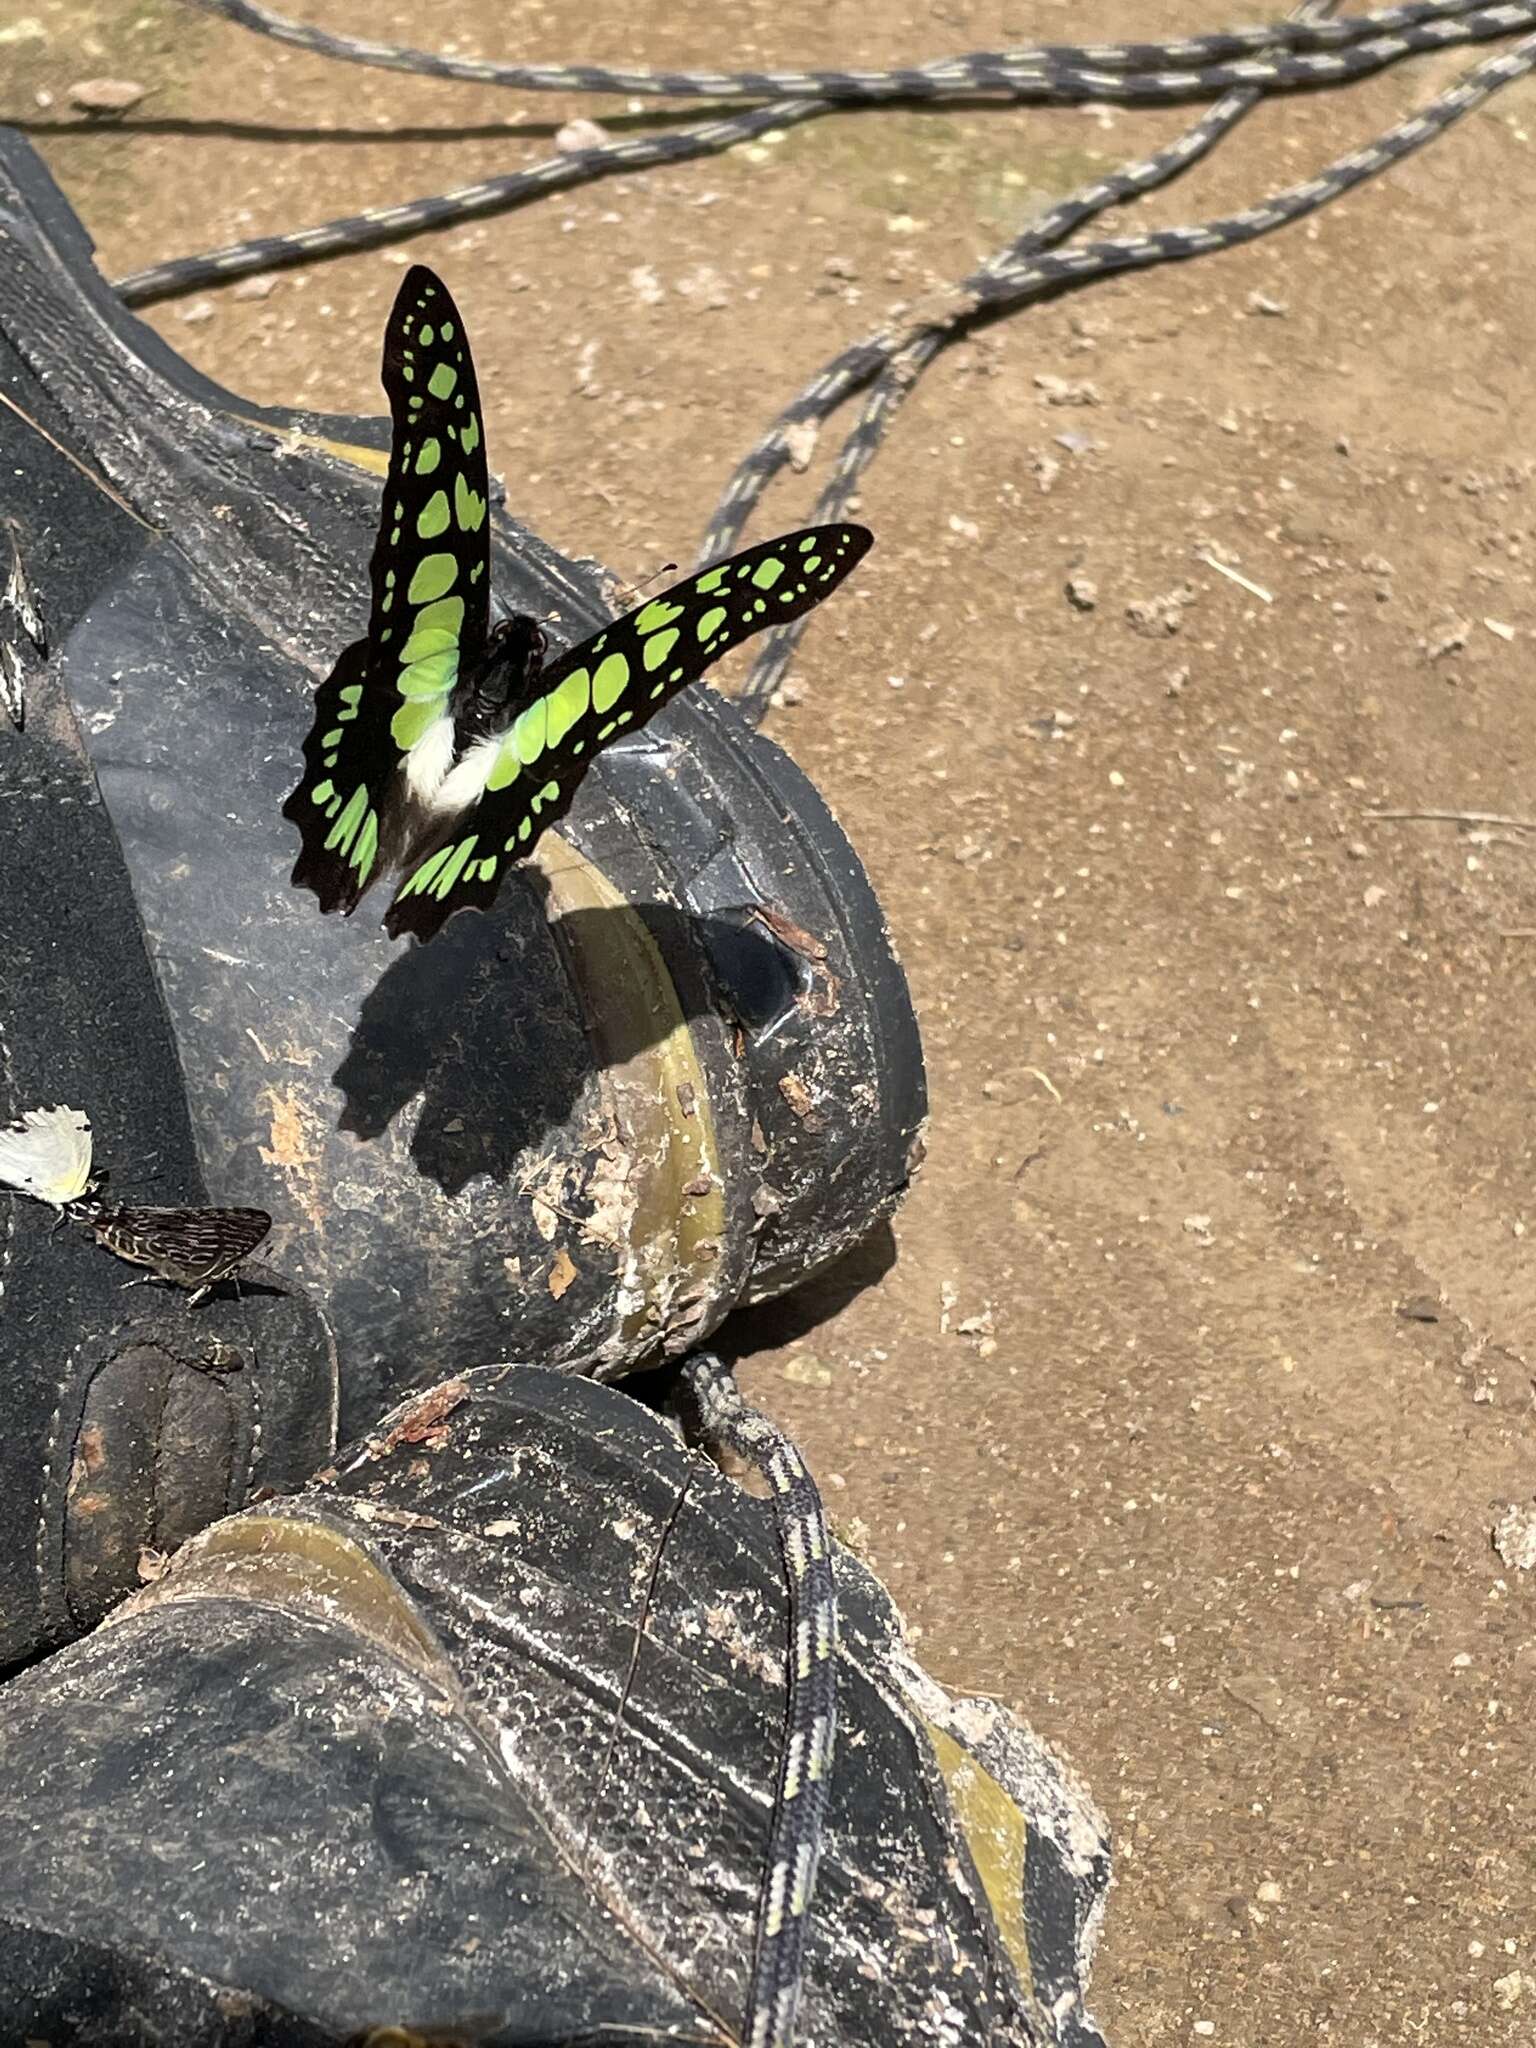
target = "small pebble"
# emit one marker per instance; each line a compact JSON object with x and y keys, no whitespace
{"x":106,"y":95}
{"x":580,"y":134}
{"x":1514,"y":1538}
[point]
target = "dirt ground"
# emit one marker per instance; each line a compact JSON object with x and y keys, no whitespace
{"x":1204,"y":1371}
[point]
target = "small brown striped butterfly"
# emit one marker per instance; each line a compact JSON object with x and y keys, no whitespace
{"x":195,"y":1248}
{"x":47,"y":1155}
{"x":442,"y":747}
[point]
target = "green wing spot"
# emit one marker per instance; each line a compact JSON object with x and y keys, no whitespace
{"x":506,"y":767}
{"x":333,"y":738}
{"x":446,"y":330}
{"x":427,"y":336}
{"x":807,"y":543}
{"x":345,"y":828}
{"x":524,"y":832}
{"x":434,"y":577}
{"x":414,"y":719}
{"x":453,"y":867}
{"x":604,"y":732}
{"x":766,"y":574}
{"x":322,"y":792}
{"x":528,"y":734}
{"x":608,"y":684}
{"x":433,"y":676}
{"x":422,"y":880}
{"x":442,"y":380}
{"x":549,"y":794}
{"x":711,"y":582}
{"x":352,"y":696}
{"x":468,"y":507}
{"x":428,"y":455}
{"x":656,"y":614}
{"x":709,"y":624}
{"x":469,"y":435}
{"x":810,"y":563}
{"x":432,"y":519}
{"x":435,"y":629}
{"x":487,"y":869}
{"x":367,"y":846}
{"x":567,"y":702}
{"x":658,"y":647}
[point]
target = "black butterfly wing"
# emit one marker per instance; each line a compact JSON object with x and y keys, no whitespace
{"x":391,"y":690}
{"x":615,"y":682}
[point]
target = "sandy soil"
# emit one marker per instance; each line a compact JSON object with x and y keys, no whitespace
{"x":1184,"y":1416}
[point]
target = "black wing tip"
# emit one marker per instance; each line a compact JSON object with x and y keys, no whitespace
{"x":326,"y":879}
{"x":329,"y":880}
{"x":420,"y":282}
{"x":419,"y":917}
{"x":422,"y":917}
{"x":860,"y":539}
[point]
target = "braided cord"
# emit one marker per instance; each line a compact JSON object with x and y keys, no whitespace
{"x":1047,"y":71}
{"x":1275,"y":58}
{"x":896,"y":356}
{"x":913,"y":350}
{"x":379,"y":225}
{"x":810,"y":1720}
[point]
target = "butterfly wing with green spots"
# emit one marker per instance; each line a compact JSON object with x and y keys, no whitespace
{"x":390,"y":691}
{"x":615,"y":682}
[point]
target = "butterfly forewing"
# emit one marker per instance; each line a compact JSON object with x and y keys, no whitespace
{"x":616,"y":682}
{"x":390,"y":691}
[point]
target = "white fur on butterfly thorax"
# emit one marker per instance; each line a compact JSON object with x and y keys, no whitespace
{"x":447,"y":769}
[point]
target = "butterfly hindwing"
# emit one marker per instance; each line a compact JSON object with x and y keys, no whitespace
{"x":615,"y":682}
{"x":390,"y":691}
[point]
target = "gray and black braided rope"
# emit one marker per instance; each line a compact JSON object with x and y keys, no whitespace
{"x":1275,"y":58}
{"x":382,"y":224}
{"x":897,"y":355}
{"x":805,"y":1761}
{"x":906,"y":354}
{"x":1286,"y":54}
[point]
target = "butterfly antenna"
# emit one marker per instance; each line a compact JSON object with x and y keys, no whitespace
{"x":626,"y":593}
{"x":810,"y":1717}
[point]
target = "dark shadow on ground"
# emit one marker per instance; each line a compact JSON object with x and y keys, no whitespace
{"x":790,"y":1317}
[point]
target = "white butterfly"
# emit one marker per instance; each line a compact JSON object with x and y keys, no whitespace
{"x":47,"y":1155}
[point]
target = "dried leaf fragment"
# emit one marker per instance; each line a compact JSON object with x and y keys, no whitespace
{"x":561,"y":1273}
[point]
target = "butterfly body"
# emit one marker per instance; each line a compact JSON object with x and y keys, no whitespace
{"x":443,"y":747}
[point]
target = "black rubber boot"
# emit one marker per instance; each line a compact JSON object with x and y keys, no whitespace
{"x":359,"y":1759}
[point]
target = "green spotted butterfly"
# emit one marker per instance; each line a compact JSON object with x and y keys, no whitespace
{"x":443,"y":746}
